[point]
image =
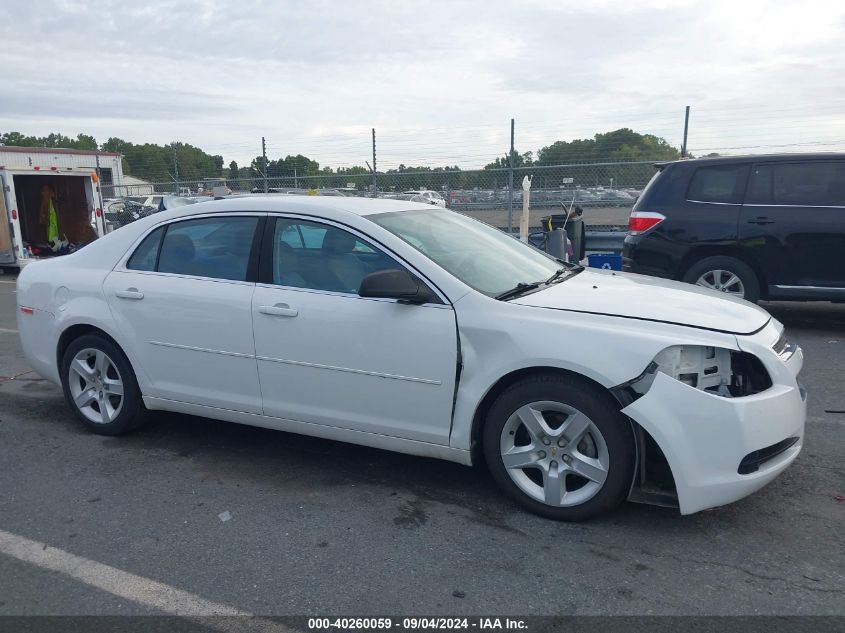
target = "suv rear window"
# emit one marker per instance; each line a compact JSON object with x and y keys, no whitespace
{"x":718,"y":183}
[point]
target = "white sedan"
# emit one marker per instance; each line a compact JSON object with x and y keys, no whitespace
{"x":427,"y":196}
{"x":412,"y":328}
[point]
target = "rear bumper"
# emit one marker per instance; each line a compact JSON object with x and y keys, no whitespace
{"x":723,"y":449}
{"x":37,"y":332}
{"x":645,"y":255}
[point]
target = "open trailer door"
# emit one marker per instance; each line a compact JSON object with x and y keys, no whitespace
{"x":7,"y":250}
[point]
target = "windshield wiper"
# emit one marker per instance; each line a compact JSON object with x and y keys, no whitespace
{"x":573,"y":268}
{"x":557,"y":274}
{"x":517,"y":290}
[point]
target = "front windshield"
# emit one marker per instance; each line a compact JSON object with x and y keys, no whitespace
{"x":479,"y":255}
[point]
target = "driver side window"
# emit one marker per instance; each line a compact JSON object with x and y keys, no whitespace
{"x":323,"y":257}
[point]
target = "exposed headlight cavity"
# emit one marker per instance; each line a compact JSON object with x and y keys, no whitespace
{"x":719,"y":371}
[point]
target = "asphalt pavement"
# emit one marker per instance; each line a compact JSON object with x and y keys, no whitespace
{"x":95,"y":525}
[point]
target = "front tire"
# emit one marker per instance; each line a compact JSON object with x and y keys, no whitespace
{"x":100,"y":386}
{"x":726,"y":274}
{"x":558,"y":445}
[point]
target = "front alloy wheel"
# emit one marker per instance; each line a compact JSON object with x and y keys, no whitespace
{"x":554,"y":453}
{"x":558,"y":444}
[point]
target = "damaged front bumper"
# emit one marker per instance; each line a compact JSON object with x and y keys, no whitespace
{"x":721,"y":449}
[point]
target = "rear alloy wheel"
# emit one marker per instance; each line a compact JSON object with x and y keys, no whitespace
{"x":723,"y":280}
{"x":96,"y":386}
{"x":100,"y":386}
{"x":725,"y":274}
{"x":559,"y":446}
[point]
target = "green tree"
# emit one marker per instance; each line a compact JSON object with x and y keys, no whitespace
{"x":519,"y":160}
{"x":619,"y":146}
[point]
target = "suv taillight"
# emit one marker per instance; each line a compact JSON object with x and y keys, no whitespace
{"x":642,"y":221}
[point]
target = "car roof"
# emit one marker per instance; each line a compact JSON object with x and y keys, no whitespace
{"x":759,"y":158}
{"x":306,"y":204}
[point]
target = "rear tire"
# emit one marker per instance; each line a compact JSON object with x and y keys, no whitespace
{"x":100,"y":386}
{"x":727,"y":274}
{"x":558,"y":445}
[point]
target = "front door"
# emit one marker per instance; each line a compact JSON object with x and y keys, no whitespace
{"x":794,"y":220}
{"x":327,"y":356}
{"x":184,"y":300}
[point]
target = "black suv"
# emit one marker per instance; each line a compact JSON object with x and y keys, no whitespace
{"x":758,"y":227}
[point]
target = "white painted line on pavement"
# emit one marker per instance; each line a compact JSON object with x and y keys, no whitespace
{"x":4,"y":330}
{"x":130,"y":586}
{"x":5,"y":281}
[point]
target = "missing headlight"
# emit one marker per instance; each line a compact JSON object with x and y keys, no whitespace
{"x":748,"y":375}
{"x":723,"y":372}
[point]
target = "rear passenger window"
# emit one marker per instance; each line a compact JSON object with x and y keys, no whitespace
{"x":808,"y":184}
{"x":719,"y":183}
{"x":144,"y":257}
{"x":209,"y":247}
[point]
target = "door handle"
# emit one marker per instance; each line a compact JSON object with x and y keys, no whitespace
{"x":280,"y":309}
{"x":761,"y":220}
{"x":129,"y":293}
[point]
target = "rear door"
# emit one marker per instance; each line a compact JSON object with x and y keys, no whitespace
{"x":793,"y":219}
{"x":710,"y":210}
{"x":7,"y":251}
{"x":184,"y":299}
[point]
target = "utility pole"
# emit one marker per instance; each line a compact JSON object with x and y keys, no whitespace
{"x":264,"y":155}
{"x":375,"y":185}
{"x":686,"y":129}
{"x":175,"y":170}
{"x":510,"y":185}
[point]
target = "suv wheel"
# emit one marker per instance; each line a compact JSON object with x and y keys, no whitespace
{"x":560,"y":447}
{"x":725,"y":274}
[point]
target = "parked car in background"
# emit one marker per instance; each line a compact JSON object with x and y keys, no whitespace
{"x":121,"y":211}
{"x":213,"y":187}
{"x":413,"y":328}
{"x":758,"y":227}
{"x":174,"y":202}
{"x":299,"y":191}
{"x":426,"y":196}
{"x":153,"y":200}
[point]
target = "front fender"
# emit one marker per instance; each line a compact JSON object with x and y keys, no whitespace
{"x":499,"y":338}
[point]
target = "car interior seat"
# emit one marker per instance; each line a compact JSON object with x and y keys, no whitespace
{"x":286,"y":267}
{"x":177,"y":254}
{"x":345,"y":268}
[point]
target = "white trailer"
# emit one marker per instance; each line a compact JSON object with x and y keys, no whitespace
{"x":28,"y":177}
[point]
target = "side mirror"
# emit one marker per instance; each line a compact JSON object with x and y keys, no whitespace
{"x":396,"y":284}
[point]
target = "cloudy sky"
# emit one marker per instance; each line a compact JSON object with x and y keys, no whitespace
{"x":438,"y":80}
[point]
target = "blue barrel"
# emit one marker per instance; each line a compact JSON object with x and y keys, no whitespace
{"x":608,"y":261}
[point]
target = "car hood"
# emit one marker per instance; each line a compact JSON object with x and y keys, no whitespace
{"x":634,"y":296}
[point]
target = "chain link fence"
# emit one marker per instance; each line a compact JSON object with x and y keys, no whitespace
{"x":605,"y":191}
